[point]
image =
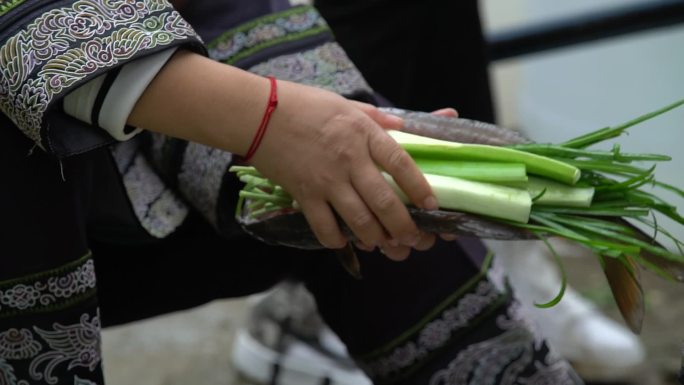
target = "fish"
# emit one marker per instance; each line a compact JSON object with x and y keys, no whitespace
{"x":290,"y":228}
{"x":456,"y":129}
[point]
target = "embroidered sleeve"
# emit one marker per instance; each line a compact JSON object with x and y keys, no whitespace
{"x":50,"y":48}
{"x":106,"y":101}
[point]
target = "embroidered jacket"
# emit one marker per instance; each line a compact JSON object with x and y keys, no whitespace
{"x":48,"y":49}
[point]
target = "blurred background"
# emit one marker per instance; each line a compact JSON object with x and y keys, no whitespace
{"x":550,"y":96}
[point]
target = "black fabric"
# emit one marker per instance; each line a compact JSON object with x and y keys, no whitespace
{"x":43,"y":202}
{"x":419,"y":54}
{"x":211,"y":18}
{"x":111,"y":217}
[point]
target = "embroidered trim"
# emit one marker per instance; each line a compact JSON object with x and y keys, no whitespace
{"x":157,"y":207}
{"x":80,"y":381}
{"x":79,"y":345}
{"x":8,"y":5}
{"x":506,"y":360}
{"x":75,"y":345}
{"x":326,"y":66}
{"x":201,"y":177}
{"x":246,"y":40}
{"x":18,"y":344}
{"x":66,"y":45}
{"x":7,"y":375}
{"x":447,"y":325}
{"x":48,"y":291}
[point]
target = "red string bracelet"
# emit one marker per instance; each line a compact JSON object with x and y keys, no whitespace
{"x":270,"y":107}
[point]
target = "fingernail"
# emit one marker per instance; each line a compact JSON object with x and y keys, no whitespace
{"x":412,"y":240}
{"x":430,"y":203}
{"x":364,"y":246}
{"x":449,"y":237}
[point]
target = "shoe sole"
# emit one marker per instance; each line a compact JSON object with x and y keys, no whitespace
{"x":264,"y":366}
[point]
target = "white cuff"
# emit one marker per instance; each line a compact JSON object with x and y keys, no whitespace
{"x":108,"y":100}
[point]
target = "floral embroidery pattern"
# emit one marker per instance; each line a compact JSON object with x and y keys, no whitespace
{"x":250,"y":38}
{"x":552,"y":373}
{"x":7,"y":375}
{"x":49,"y":290}
{"x":504,"y":359}
{"x":80,"y":381}
{"x":77,"y":345}
{"x":66,"y":45}
{"x":156,"y":207}
{"x":18,"y":344}
{"x":438,"y":332}
{"x":326,"y":66}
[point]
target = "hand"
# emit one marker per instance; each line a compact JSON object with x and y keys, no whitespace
{"x":322,"y":148}
{"x":325,"y":151}
{"x":428,"y":240}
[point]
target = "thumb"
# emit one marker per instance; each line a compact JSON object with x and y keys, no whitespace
{"x":448,"y":112}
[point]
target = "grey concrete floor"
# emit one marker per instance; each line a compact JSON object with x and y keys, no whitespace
{"x":189,"y":347}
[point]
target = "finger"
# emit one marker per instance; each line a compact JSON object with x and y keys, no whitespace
{"x":323,"y":224}
{"x":384,"y":120}
{"x":395,"y":161}
{"x":358,"y":217}
{"x":448,"y":112}
{"x":426,"y":242}
{"x":448,"y":237}
{"x":387,"y":207}
{"x":398,"y":253}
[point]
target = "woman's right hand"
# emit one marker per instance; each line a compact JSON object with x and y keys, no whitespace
{"x":323,"y":149}
{"x":326,"y":151}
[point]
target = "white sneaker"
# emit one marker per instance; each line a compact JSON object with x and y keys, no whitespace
{"x":286,"y":343}
{"x":599,"y":348}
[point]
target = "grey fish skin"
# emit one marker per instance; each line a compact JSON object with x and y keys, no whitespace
{"x":292,"y":230}
{"x":456,"y":129}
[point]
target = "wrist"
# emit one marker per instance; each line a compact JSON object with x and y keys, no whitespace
{"x":200,"y":100}
{"x":271,"y":106}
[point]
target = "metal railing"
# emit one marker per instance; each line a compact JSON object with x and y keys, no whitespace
{"x":585,"y":28}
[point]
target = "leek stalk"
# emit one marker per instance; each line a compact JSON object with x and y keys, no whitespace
{"x":492,"y":172}
{"x":476,"y":197}
{"x":423,"y":147}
